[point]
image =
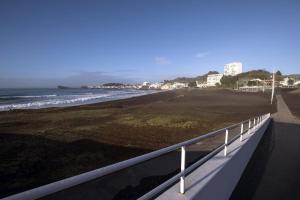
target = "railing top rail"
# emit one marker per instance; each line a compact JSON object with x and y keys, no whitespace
{"x":91,"y":175}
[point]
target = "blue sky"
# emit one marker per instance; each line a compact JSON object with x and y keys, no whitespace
{"x":51,"y":41}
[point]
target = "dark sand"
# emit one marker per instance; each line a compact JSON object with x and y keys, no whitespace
{"x":292,"y":99}
{"x":42,"y":146}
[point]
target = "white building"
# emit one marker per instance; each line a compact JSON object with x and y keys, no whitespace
{"x":178,"y":85}
{"x":285,"y":81}
{"x":172,"y":86}
{"x":233,"y":69}
{"x":166,"y":86}
{"x":214,"y":79}
{"x":145,"y":83}
{"x":201,"y":84}
{"x":155,"y":86}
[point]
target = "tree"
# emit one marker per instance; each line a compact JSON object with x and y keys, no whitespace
{"x":192,"y":84}
{"x":229,"y":81}
{"x":290,"y":82}
{"x":218,"y":85}
{"x":278,"y":73}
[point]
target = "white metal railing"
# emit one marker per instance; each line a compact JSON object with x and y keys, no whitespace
{"x":257,"y":121}
{"x":52,"y":188}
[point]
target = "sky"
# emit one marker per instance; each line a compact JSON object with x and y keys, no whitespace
{"x":44,"y":43}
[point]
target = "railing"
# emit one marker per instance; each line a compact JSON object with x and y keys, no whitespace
{"x":51,"y":188}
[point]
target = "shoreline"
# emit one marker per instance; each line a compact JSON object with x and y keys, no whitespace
{"x":37,"y":105}
{"x":40,"y":146}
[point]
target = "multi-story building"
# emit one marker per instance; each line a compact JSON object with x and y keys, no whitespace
{"x":233,"y":69}
{"x":213,"y":79}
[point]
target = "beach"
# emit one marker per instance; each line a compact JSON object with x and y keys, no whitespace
{"x":292,"y":99}
{"x":39,"y":146}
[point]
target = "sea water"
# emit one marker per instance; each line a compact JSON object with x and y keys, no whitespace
{"x":52,"y":97}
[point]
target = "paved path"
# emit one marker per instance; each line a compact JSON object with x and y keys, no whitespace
{"x":283,"y":113}
{"x":274,"y":170}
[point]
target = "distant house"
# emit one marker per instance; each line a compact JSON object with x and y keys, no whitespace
{"x":145,"y":83}
{"x":233,"y":69}
{"x":214,"y":79}
{"x":166,"y":86}
{"x":178,"y":85}
{"x":155,"y":86}
{"x":287,"y":82}
{"x":201,"y":84}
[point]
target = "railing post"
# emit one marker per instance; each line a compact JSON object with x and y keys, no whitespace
{"x":226,"y":142}
{"x":254,"y":124}
{"x":242,"y":130}
{"x":182,"y":169}
{"x":249,"y":127}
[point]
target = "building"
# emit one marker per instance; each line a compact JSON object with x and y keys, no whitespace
{"x":166,"y":86}
{"x":178,"y":85}
{"x":213,"y":79}
{"x":233,"y":69}
{"x":287,"y":82}
{"x":155,"y":86}
{"x":201,"y":84}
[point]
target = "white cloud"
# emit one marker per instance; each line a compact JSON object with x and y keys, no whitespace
{"x":159,"y":60}
{"x":202,"y":54}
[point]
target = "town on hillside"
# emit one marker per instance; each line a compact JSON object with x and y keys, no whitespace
{"x":233,"y":77}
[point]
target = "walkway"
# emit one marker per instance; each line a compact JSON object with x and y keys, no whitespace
{"x":274,"y":170}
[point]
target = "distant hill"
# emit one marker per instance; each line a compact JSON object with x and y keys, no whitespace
{"x":201,"y":78}
{"x":230,"y":81}
{"x":295,"y":76}
{"x":113,"y":84}
{"x":261,"y":74}
{"x":63,"y":87}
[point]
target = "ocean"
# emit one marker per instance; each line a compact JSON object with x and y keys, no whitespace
{"x":52,"y":97}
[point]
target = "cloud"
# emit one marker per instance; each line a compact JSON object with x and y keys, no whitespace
{"x":202,"y":54}
{"x":159,"y":60}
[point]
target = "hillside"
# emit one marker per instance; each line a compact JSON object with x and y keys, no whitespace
{"x":201,"y":78}
{"x":295,"y":76}
{"x":261,"y":74}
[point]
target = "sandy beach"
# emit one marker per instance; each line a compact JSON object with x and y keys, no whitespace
{"x":45,"y":145}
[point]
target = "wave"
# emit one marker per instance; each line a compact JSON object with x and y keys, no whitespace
{"x":54,"y":102}
{"x":69,"y":100}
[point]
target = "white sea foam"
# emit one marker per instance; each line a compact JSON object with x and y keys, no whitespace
{"x":71,"y":99}
{"x":52,"y":102}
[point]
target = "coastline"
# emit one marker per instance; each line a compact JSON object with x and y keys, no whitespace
{"x":43,"y":145}
{"x":39,"y":98}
